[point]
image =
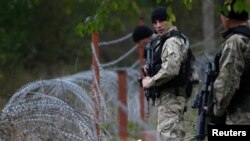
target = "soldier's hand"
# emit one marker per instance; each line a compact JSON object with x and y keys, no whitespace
{"x":146,"y":82}
{"x":208,"y":111}
{"x":205,"y":108}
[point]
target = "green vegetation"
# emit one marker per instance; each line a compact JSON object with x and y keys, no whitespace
{"x":41,"y":39}
{"x":44,"y":39}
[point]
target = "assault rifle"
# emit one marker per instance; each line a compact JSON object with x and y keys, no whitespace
{"x":153,"y":92}
{"x":205,"y":99}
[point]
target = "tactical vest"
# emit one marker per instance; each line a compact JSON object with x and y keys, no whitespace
{"x":242,"y":95}
{"x":185,"y":71}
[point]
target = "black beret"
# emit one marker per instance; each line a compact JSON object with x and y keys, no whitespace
{"x":159,"y":13}
{"x":228,"y":11}
{"x":140,"y":32}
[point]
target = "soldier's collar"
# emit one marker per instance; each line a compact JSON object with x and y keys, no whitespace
{"x":168,"y":33}
{"x":241,"y":29}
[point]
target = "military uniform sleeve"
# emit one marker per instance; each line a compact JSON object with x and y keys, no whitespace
{"x":231,"y":68}
{"x":172,"y":53}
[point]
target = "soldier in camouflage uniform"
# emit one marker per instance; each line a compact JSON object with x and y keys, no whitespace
{"x":171,"y":103}
{"x":231,"y":87}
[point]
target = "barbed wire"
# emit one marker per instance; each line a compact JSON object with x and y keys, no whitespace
{"x":120,"y":58}
{"x":115,"y":41}
{"x":95,"y":56}
{"x":135,"y":64}
{"x":210,"y":36}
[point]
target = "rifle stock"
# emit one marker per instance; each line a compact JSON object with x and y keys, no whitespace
{"x":205,"y":99}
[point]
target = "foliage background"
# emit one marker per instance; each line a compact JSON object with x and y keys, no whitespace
{"x":44,"y":39}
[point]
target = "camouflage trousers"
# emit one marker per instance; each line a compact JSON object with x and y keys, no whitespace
{"x":170,"y":122}
{"x":239,"y":118}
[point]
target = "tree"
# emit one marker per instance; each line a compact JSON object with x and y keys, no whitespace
{"x":96,"y":22}
{"x":107,"y":8}
{"x":208,"y":25}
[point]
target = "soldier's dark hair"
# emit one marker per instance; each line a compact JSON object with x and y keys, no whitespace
{"x":228,"y":10}
{"x":140,"y":32}
{"x":159,"y":13}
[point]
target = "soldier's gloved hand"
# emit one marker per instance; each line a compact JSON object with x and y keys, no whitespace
{"x":215,"y":119}
{"x":218,"y":111}
{"x":208,"y":110}
{"x":147,"y":82}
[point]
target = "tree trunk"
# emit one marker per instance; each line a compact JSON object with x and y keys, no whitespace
{"x":208,"y":25}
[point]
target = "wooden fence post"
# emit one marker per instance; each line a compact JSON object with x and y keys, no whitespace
{"x":96,"y":79}
{"x":122,"y":113}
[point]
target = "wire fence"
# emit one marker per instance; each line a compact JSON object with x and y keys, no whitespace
{"x":40,"y":107}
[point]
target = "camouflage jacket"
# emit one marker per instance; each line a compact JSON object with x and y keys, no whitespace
{"x":235,"y":51}
{"x":174,"y":52}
